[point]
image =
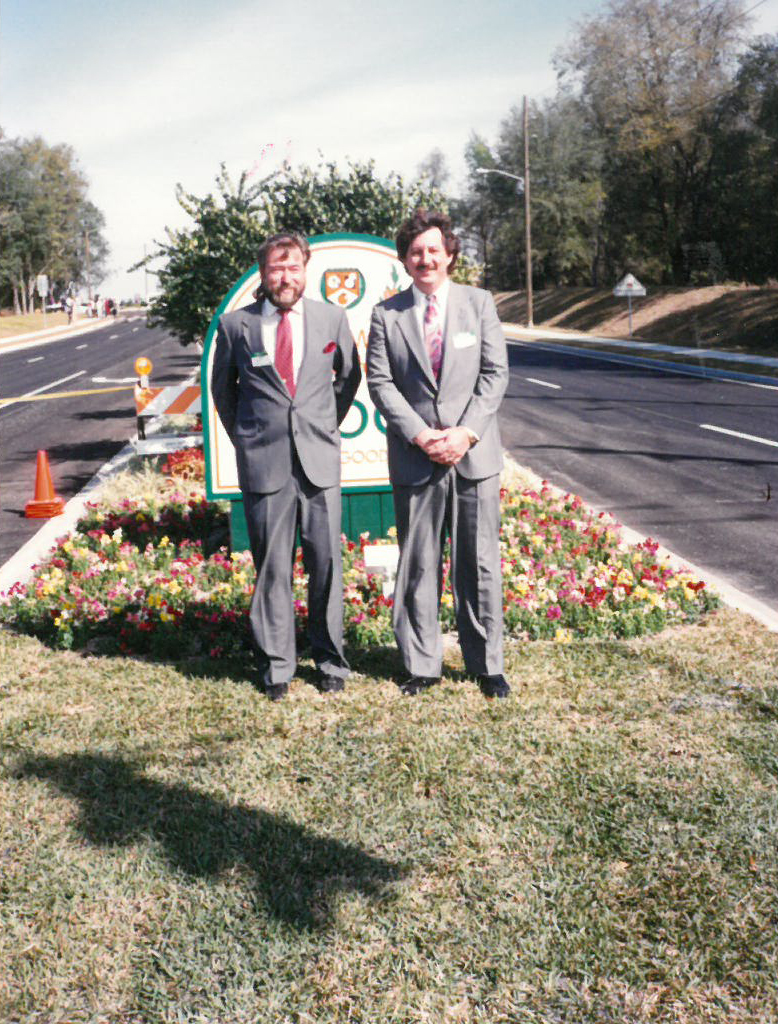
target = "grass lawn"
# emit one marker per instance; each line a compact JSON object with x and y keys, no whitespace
{"x":600,"y":847}
{"x":12,"y":324}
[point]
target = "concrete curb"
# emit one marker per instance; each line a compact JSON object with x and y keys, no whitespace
{"x":19,"y":567}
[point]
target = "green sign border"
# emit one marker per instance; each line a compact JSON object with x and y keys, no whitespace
{"x":210,"y":334}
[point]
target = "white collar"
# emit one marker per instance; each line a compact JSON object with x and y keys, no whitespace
{"x":268,"y":309}
{"x":420,"y":297}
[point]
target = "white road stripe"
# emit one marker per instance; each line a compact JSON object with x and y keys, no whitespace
{"x":112,"y":336}
{"x":750,"y":383}
{"x":543,"y":383}
{"x":736,"y":433}
{"x":45,"y":387}
{"x":135,"y":329}
{"x":82,"y":346}
{"x":36,"y":359}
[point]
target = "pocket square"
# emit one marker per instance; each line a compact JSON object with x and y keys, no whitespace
{"x":260,"y":359}
{"x":463,"y":340}
{"x":329,"y":347}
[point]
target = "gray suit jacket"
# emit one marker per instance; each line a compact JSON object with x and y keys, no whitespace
{"x":265,"y":424}
{"x":473,"y":379}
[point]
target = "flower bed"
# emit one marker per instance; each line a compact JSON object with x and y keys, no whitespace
{"x":135,"y":578}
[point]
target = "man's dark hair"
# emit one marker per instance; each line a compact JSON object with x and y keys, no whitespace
{"x":283,"y":240}
{"x":422,"y":220}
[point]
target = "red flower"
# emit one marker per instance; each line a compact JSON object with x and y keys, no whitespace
{"x":329,"y":347}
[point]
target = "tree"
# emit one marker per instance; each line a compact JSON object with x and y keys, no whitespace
{"x":433,"y":168}
{"x":45,"y":220}
{"x":202,"y":262}
{"x":565,"y":161}
{"x":743,"y":201}
{"x":649,"y":73}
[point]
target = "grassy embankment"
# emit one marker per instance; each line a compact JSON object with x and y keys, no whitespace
{"x":11,"y":323}
{"x":734,"y":318}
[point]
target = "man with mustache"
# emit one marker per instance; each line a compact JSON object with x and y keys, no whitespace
{"x":437,"y":369}
{"x":285,"y":373}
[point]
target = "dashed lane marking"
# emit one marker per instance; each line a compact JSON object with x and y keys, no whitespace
{"x":737,"y":433}
{"x":544,"y":383}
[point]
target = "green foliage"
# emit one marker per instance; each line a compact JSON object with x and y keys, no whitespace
{"x":46,"y":218}
{"x":201,"y":263}
{"x":657,"y":155}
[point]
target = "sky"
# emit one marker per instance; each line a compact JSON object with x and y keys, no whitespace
{"x":151,"y":93}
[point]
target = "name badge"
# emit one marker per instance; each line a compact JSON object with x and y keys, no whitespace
{"x":260,"y":359}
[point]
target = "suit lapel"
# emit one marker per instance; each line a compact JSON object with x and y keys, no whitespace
{"x":409,"y":327}
{"x":252,"y":332}
{"x":312,"y":334}
{"x":456,"y":317}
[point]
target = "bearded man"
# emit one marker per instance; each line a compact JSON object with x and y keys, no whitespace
{"x":285,"y":373}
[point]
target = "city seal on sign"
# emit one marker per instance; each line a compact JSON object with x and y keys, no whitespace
{"x":342,"y":287}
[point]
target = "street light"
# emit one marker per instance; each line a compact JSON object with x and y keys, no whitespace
{"x":505,"y":174}
{"x":522,"y":186}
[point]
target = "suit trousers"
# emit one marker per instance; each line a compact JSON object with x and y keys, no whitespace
{"x":272,"y":521}
{"x":469,"y":512}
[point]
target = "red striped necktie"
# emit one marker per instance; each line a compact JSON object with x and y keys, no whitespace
{"x":283,"y":359}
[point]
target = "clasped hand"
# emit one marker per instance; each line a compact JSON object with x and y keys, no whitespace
{"x":446,"y":446}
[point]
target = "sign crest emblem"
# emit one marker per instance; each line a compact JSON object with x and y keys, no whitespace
{"x":343,"y":287}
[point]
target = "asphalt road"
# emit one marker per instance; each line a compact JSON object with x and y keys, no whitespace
{"x":80,"y":432}
{"x":638,"y":443}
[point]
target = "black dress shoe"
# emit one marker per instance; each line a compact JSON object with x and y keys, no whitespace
{"x":413,"y":685}
{"x":276,"y":691}
{"x":494,"y":686}
{"x":329,"y":684}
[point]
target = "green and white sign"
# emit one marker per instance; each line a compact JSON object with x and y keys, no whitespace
{"x":350,"y":271}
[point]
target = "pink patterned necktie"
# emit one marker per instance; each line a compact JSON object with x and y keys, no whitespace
{"x":433,"y":335}
{"x":283,"y":359}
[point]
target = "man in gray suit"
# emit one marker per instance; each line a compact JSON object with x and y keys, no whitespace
{"x":285,"y":373}
{"x":437,"y":369}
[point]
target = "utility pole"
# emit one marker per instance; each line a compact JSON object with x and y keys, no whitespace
{"x":527,"y":218}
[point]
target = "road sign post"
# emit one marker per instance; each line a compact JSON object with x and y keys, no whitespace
{"x":629,"y":286}
{"x":42,"y":286}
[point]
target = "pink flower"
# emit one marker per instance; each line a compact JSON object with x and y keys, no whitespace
{"x":554,"y":612}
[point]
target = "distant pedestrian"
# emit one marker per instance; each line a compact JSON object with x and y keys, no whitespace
{"x":71,"y":304}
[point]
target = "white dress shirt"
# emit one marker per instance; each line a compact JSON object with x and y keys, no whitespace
{"x":270,"y":317}
{"x":420,"y":307}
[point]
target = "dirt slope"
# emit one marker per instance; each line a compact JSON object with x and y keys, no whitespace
{"x":737,"y":318}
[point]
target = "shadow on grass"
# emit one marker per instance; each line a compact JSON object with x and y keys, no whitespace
{"x":295,"y":874}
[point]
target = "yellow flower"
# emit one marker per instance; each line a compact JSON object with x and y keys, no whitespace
{"x":563,"y":636}
{"x":165,"y":542}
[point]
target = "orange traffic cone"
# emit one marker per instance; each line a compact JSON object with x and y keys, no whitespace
{"x":46,"y":504}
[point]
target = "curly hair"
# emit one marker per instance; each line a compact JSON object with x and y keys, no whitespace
{"x":422,"y":220}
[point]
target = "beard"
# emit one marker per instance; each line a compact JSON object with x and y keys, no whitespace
{"x":283,"y":297}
